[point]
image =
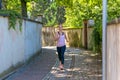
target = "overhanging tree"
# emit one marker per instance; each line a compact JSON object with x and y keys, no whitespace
{"x":24,"y":8}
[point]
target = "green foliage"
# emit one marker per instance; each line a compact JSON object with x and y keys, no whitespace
{"x":65,"y":3}
{"x":48,"y":9}
{"x":13,"y":17}
{"x":84,"y":10}
{"x":60,"y":15}
{"x":70,"y":12}
{"x":113,"y":9}
{"x":97,"y":40}
{"x":50,"y":14}
{"x":12,"y":5}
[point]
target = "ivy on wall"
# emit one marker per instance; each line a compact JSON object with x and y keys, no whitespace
{"x":13,"y":17}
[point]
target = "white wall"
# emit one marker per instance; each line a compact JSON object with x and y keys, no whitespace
{"x":32,"y":38}
{"x":16,"y":46}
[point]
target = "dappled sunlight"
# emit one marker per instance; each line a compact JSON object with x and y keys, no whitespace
{"x":89,"y":68}
{"x":100,"y":60}
{"x":68,"y":59}
{"x":56,"y":72}
{"x":68,"y":75}
{"x":72,"y":54}
{"x":95,"y":75}
{"x":79,"y":65}
{"x":81,"y":55}
{"x":90,"y":53}
{"x":53,"y":71}
{"x":54,"y":68}
{"x":74,"y":69}
{"x":88,"y":60}
{"x":50,"y":47}
{"x":69,"y":69}
{"x":83,"y":63}
{"x":85,"y":69}
{"x":86,"y":53}
{"x":60,"y":75}
{"x":93,"y":54}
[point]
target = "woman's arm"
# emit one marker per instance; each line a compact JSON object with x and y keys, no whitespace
{"x":56,"y":36}
{"x":66,"y":38}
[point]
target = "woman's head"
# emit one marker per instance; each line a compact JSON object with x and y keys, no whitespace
{"x":60,"y":27}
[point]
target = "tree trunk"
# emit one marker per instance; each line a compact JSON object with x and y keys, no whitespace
{"x":85,"y":34}
{"x":24,"y":8}
{"x":0,"y":4}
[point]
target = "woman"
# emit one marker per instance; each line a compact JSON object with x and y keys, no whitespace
{"x":61,"y":46}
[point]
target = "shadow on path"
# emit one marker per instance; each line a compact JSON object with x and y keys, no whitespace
{"x":79,"y":65}
{"x":37,"y":68}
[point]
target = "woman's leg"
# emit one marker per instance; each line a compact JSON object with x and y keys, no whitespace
{"x":59,"y":57}
{"x":59,"y":53}
{"x":62,"y":54}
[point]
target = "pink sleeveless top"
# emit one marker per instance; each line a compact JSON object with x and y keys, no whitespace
{"x":61,"y":41}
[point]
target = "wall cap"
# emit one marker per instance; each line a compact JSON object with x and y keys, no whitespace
{"x":6,"y":15}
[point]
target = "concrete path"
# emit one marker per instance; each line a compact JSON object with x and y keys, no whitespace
{"x":85,"y":65}
{"x":79,"y":65}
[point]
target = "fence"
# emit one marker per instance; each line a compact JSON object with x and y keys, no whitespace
{"x":75,"y":37}
{"x":16,"y":46}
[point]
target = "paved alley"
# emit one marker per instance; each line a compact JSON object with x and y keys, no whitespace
{"x":79,"y":65}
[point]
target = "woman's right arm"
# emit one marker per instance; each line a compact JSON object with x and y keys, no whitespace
{"x":56,"y":36}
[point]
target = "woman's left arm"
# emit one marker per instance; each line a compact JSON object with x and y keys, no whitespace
{"x":66,"y":38}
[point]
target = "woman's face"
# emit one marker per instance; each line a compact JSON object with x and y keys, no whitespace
{"x":60,"y":27}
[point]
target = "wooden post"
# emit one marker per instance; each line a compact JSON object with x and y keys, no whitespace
{"x":85,"y":34}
